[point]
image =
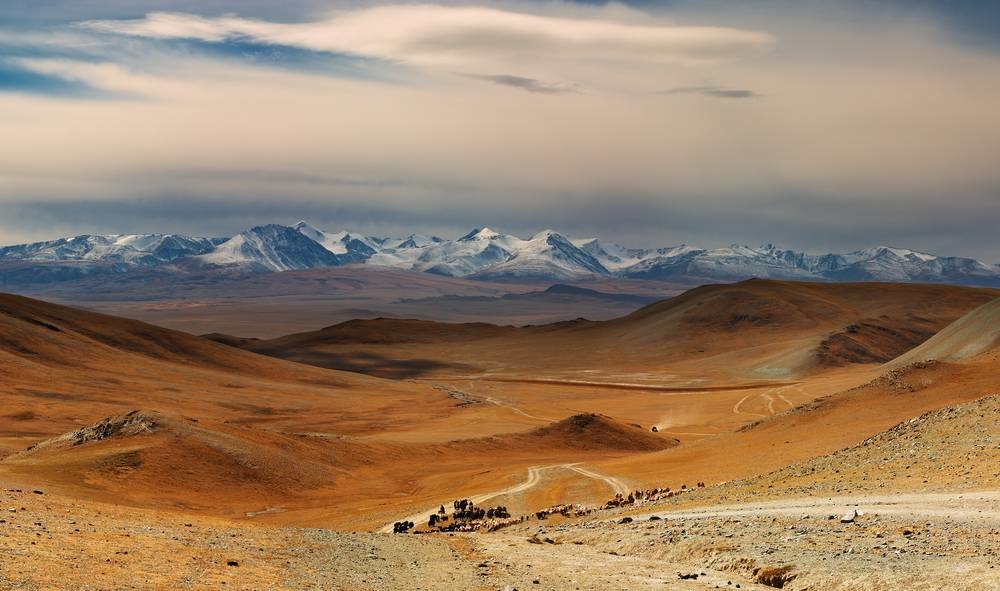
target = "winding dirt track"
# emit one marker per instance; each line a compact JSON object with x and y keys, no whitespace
{"x":534,"y":479}
{"x":771,"y":396}
{"x":736,"y":407}
{"x":616,"y":484}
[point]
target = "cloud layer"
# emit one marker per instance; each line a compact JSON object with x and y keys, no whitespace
{"x":449,"y":35}
{"x":827,"y":130}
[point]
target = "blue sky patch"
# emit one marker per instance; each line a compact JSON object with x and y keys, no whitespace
{"x":16,"y":78}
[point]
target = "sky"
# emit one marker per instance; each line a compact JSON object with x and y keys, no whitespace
{"x":816,"y":125}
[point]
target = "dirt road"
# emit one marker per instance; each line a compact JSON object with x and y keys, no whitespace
{"x":534,"y":478}
{"x":977,"y":506}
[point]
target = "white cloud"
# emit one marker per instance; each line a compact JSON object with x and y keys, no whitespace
{"x":450,"y":36}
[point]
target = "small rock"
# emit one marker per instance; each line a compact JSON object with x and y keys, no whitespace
{"x":849,"y":517}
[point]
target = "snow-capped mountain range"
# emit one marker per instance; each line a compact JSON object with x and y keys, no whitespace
{"x":489,"y":255}
{"x":141,"y":250}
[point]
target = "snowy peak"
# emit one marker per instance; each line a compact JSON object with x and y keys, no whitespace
{"x":480,"y":234}
{"x":272,"y":247}
{"x":547,"y":255}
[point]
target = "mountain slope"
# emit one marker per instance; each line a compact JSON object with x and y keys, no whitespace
{"x":970,"y":335}
{"x":931,"y":451}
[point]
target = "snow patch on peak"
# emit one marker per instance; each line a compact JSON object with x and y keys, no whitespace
{"x":352,"y":248}
{"x":308,"y":229}
{"x":547,"y":234}
{"x":905,"y":253}
{"x":481,"y":234}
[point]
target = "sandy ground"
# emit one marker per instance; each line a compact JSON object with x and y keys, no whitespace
{"x":932,"y":541}
{"x":55,"y":543}
{"x":906,"y":541}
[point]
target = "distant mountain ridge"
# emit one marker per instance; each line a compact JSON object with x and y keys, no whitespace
{"x":128,"y":249}
{"x":482,"y":253}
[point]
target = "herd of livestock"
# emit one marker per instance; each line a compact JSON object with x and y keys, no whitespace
{"x":466,"y":516}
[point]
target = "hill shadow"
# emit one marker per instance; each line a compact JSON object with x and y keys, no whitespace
{"x":375,"y":365}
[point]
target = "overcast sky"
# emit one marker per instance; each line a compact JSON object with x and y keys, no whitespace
{"x":812,"y":125}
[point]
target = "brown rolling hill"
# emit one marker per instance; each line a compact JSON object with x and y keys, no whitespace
{"x":228,"y":432}
{"x":62,"y":368}
{"x":842,"y":420}
{"x":154,"y":459}
{"x":44,"y":333}
{"x":757,"y":329}
{"x":593,"y":432}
